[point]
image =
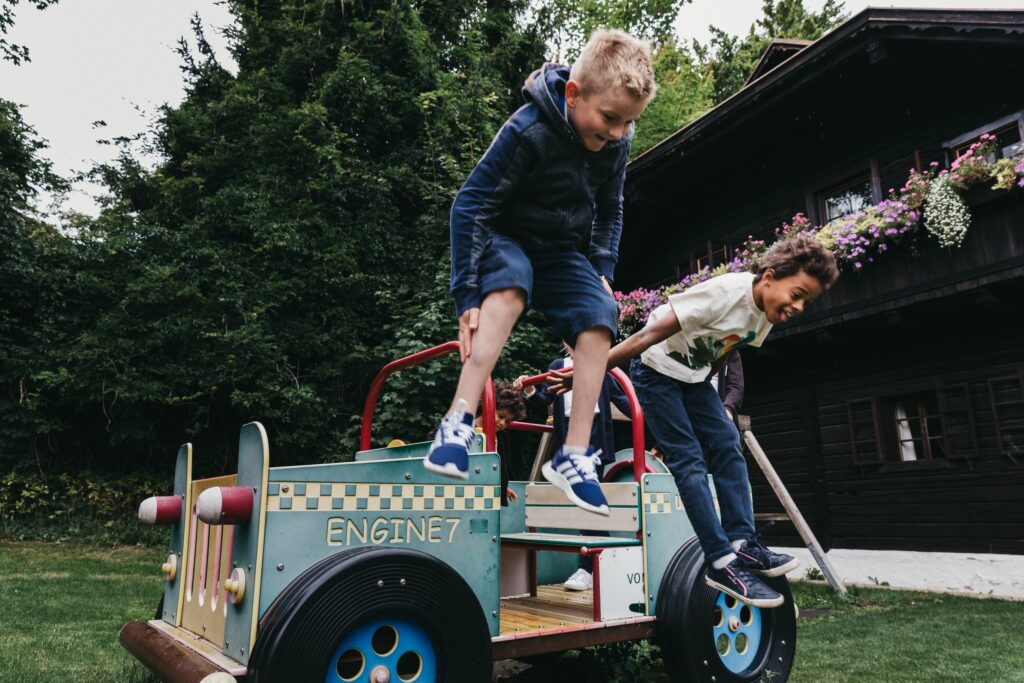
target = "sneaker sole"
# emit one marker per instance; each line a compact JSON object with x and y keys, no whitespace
{"x":562,"y":483}
{"x":766,"y":603}
{"x":576,"y":588}
{"x":778,"y":571}
{"x":448,"y":469}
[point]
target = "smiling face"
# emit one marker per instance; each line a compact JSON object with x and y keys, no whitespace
{"x":784,"y":298}
{"x":602,"y":116}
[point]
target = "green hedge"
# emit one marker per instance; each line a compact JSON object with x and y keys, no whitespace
{"x":85,"y":506}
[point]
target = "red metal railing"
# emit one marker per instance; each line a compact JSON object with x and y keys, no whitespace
{"x":639,"y":457}
{"x":637,"y":416}
{"x":415,"y":359}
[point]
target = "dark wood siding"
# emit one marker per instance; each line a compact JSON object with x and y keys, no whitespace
{"x":971,"y":504}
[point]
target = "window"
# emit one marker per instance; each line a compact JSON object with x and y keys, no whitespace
{"x":1007,"y":395}
{"x":863,"y":436}
{"x":911,"y":427}
{"x":957,"y":421}
{"x":845,"y":198}
{"x":1007,"y":143}
{"x":915,"y":426}
{"x":1007,"y":130}
{"x":713,"y":256}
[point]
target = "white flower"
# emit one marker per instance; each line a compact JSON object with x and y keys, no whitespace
{"x":946,"y":216}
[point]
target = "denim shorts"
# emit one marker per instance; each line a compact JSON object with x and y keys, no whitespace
{"x":561,"y":284}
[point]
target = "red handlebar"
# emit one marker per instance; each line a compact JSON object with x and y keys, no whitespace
{"x":639,"y":463}
{"x":415,"y":359}
{"x":639,"y":456}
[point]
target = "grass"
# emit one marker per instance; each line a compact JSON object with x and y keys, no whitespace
{"x":61,"y":606}
{"x":897,"y":636}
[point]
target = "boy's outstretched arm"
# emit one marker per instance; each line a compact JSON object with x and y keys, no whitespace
{"x":653,"y":333}
{"x":657,"y":331}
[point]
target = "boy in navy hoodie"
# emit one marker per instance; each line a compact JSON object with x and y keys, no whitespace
{"x":552,"y":176}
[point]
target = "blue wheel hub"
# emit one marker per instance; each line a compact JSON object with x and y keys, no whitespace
{"x":737,"y":633}
{"x":384,"y":650}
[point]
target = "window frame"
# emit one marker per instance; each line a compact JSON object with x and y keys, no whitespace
{"x":887,"y":442}
{"x":1017,"y":375}
{"x":970,"y":136}
{"x":867,"y":177}
{"x":854,"y":441}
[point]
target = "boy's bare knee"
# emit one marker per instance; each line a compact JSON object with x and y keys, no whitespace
{"x":598,"y":334}
{"x":511,"y":298}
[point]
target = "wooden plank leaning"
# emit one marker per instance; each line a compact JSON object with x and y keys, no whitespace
{"x":790,"y":507}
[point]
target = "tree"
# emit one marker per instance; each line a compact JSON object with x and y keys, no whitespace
{"x":294,"y":237}
{"x":684,"y":93}
{"x":569,"y":23}
{"x":9,"y":51}
{"x":729,"y":59}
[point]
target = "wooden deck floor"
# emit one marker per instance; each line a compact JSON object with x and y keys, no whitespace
{"x":554,"y":607}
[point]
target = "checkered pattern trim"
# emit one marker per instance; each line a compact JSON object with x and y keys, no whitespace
{"x":664,"y":503}
{"x":352,"y":497}
{"x":661,"y":503}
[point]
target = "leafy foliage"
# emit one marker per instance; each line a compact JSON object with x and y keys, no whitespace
{"x":570,"y":22}
{"x":684,"y":93}
{"x":292,"y":240}
{"x":729,"y":59}
{"x":9,"y":51}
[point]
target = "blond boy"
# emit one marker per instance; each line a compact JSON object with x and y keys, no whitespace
{"x":552,"y":175}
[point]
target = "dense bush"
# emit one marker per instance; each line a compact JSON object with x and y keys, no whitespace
{"x":84,"y":506}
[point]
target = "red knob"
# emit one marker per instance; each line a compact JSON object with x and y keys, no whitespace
{"x":160,"y":510}
{"x":225,"y":505}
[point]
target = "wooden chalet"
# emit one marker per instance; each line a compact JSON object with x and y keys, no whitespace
{"x":894,"y":409}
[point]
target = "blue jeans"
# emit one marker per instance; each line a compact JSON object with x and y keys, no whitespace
{"x":694,"y":432}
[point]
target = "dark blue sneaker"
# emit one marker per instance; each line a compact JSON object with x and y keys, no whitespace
{"x":736,"y":580}
{"x":576,"y":476}
{"x":756,"y":557}
{"x":449,"y":454}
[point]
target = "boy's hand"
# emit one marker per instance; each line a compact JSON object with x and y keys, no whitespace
{"x":468,"y":322}
{"x":511,"y":495}
{"x":560,"y":382}
{"x":517,"y":383}
{"x":607,"y":287}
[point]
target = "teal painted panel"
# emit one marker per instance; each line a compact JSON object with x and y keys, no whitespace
{"x":665,"y":527}
{"x":182,"y":471}
{"x":253,"y":464}
{"x":316,"y":510}
{"x":411,"y":450}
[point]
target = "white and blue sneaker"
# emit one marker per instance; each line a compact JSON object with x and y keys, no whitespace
{"x":576,"y":475}
{"x":449,"y":454}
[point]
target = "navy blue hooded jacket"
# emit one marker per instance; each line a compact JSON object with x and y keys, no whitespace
{"x":539,"y":185}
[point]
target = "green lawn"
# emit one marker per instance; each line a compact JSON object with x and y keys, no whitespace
{"x":61,"y":607}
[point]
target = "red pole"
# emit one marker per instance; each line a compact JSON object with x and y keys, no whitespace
{"x":491,"y":442}
{"x":639,"y":456}
{"x":490,"y":428}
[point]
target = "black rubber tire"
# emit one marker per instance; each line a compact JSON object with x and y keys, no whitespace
{"x":307,"y":622}
{"x":684,"y":627}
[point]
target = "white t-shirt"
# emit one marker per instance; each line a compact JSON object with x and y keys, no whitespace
{"x":715,"y":316}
